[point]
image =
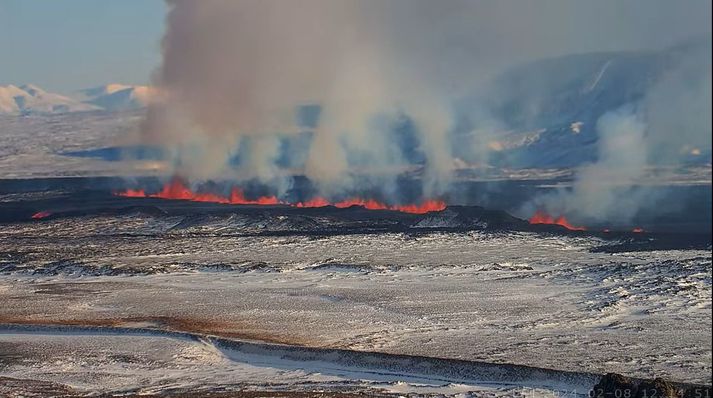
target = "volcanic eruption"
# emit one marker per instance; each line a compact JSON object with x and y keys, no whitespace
{"x":541,"y":217}
{"x":177,"y":189}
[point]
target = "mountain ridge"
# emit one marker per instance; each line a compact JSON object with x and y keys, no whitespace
{"x":30,"y":99}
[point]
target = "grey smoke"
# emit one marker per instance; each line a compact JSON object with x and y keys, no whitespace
{"x":678,"y":107}
{"x":236,"y":71}
{"x":640,"y":142}
{"x":603,"y":190}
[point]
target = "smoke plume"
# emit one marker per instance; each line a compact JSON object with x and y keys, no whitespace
{"x":663,"y":131}
{"x":604,"y":190}
{"x":382,"y":79}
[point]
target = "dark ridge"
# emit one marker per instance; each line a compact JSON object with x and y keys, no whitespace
{"x":690,"y":215}
{"x":660,"y":241}
{"x":283,"y":220}
{"x":438,"y":369}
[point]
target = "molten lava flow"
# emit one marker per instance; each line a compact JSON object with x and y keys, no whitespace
{"x":371,"y":204}
{"x":41,"y":214}
{"x":314,"y":202}
{"x":541,"y":217}
{"x":238,"y":198}
{"x":176,"y":189}
{"x":425,"y":207}
{"x":133,"y":193}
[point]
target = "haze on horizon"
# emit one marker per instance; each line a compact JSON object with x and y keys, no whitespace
{"x":68,"y":45}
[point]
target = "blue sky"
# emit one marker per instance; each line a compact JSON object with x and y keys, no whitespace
{"x":73,"y":44}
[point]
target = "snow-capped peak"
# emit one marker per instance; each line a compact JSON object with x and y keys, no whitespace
{"x":115,"y":96}
{"x":31,"y":99}
{"x":32,"y":90}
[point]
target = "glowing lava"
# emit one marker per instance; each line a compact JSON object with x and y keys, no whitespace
{"x":176,"y":189}
{"x":237,"y":197}
{"x":541,"y":217}
{"x":133,"y":193}
{"x":41,"y":214}
{"x":371,"y":204}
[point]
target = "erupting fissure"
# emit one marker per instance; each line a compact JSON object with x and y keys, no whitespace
{"x":541,"y":217}
{"x":177,"y":190}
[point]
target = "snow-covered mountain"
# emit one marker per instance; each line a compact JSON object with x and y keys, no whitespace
{"x":30,"y":99}
{"x":118,"y":97}
{"x":549,"y":108}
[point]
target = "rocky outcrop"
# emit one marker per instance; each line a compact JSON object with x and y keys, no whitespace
{"x":616,"y":385}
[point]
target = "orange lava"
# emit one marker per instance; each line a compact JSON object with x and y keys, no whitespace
{"x":540,"y":217}
{"x":133,"y":193}
{"x":425,"y":207}
{"x":371,"y":204}
{"x":41,"y":214}
{"x":315,"y":202}
{"x":238,"y":198}
{"x":176,"y":189}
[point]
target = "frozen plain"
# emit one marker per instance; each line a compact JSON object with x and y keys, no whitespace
{"x":541,"y":300}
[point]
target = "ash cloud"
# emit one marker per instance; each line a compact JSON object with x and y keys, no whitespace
{"x":387,"y":78}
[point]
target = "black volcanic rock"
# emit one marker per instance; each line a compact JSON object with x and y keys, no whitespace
{"x":151,"y":211}
{"x":657,"y":388}
{"x":613,"y":384}
{"x":616,"y":385}
{"x":470,"y":217}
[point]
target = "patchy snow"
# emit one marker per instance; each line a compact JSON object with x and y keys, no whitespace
{"x":119,"y":97}
{"x":510,"y":298}
{"x":33,"y":146}
{"x":99,"y":360}
{"x":598,"y":76}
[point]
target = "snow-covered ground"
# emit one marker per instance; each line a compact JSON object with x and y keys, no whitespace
{"x":539,"y":300}
{"x":499,"y":297}
{"x":146,"y":361}
{"x":35,"y":146}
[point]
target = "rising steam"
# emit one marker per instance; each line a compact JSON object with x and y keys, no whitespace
{"x":661,"y":131}
{"x":379,"y":80}
{"x":604,"y":190}
{"x":235,"y":73}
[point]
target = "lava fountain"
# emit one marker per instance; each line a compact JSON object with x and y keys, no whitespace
{"x":540,"y":217}
{"x":176,"y":189}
